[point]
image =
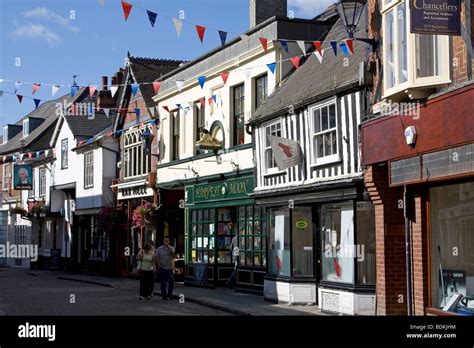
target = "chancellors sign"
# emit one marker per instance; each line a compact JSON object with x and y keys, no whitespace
{"x":438,"y":17}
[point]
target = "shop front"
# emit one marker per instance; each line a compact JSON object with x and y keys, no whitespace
{"x":216,"y":212}
{"x":321,"y":248}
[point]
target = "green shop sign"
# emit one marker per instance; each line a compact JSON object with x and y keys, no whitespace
{"x":222,"y":190}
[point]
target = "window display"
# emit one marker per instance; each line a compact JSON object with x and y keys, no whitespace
{"x":365,"y":243}
{"x":451,"y":242}
{"x":302,"y":231}
{"x":279,"y":247}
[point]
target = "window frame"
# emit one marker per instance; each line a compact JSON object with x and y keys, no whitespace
{"x":255,"y":85}
{"x":272,"y":170}
{"x":133,"y":146}
{"x":412,"y":81}
{"x":6,"y":177}
{"x":200,"y":115}
{"x":315,"y":161}
{"x":175,"y":138}
{"x":89,"y":169}
{"x":42,"y":182}
{"x":234,"y":114}
{"x":64,"y":154}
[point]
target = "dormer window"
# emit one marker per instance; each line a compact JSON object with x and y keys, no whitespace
{"x":5,"y":134}
{"x":26,"y":127}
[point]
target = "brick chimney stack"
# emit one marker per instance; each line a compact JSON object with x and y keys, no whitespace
{"x":105,"y":83}
{"x":261,"y":10}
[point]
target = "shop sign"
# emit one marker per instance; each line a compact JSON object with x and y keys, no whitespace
{"x":224,"y":190}
{"x":134,"y":192}
{"x":437,"y":17}
{"x":301,"y":224}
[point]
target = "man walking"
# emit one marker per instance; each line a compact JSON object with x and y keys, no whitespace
{"x":164,"y":258}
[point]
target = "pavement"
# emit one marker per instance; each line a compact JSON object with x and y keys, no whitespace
{"x":220,"y":299}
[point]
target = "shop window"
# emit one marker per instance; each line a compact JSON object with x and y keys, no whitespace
{"x":302,"y":242}
{"x":239,"y":114}
{"x":64,"y":154}
{"x":200,"y":122}
{"x":365,"y":237}
{"x":451,"y":242}
{"x":411,"y":60}
{"x":337,"y":241}
{"x":99,"y":241}
{"x":324,"y":133}
{"x":273,"y":129}
{"x":203,"y":236}
{"x":225,"y":233}
{"x":89,"y":169}
{"x":279,"y":242}
{"x":261,"y":90}
{"x":251,"y":236}
{"x":137,"y":163}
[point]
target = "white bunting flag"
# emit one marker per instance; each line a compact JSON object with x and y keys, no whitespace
{"x":107,"y":112}
{"x":178,"y":24}
{"x":320,"y":56}
{"x":247,"y":72}
{"x":302,"y":46}
{"x":46,"y":153}
{"x":243,"y":37}
{"x":113,"y":89}
{"x":54,"y":90}
{"x":180,"y":84}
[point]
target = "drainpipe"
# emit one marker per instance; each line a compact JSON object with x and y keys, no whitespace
{"x":407,"y":251}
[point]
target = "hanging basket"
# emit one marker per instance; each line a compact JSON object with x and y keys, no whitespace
{"x":141,"y":215}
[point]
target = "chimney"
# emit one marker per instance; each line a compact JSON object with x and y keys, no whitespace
{"x":105,"y":83}
{"x":261,"y":10}
{"x":113,"y":81}
{"x":119,"y":75}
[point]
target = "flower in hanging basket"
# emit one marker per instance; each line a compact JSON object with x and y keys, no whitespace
{"x":141,"y":215}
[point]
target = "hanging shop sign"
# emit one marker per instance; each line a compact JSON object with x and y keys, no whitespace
{"x":137,"y":191}
{"x":437,"y":17}
{"x":22,"y":177}
{"x":223,"y":190}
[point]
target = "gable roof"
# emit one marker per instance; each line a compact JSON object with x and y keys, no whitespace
{"x":315,"y":81}
{"x":37,"y":139}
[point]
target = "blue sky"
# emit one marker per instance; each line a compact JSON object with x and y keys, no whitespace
{"x":51,"y":43}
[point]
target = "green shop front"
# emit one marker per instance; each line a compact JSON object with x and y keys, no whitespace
{"x":215,"y":212}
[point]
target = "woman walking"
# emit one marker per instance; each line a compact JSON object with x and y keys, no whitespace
{"x":147,"y":268}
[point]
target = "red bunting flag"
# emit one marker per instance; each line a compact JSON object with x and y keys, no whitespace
{"x":203,"y":102}
{"x":225,"y":76}
{"x":166,"y":108}
{"x":20,"y":98}
{"x":296,"y":61}
{"x":264,"y":43}
{"x":30,"y":155}
{"x":36,"y":86}
{"x":141,"y":125}
{"x":92,"y":90}
{"x":127,"y":7}
{"x":201,"y":30}
{"x":350,"y":45}
{"x":156,"y":86}
{"x":317,"y":44}
{"x":210,"y":100}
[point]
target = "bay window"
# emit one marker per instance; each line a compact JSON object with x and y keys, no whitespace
{"x":137,"y":163}
{"x":411,"y":60}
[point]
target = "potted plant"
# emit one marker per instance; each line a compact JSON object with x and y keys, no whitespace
{"x":38,"y":208}
{"x":18,"y":209}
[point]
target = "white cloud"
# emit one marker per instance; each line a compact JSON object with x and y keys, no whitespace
{"x":310,"y":8}
{"x":36,"y":31}
{"x":46,"y":14}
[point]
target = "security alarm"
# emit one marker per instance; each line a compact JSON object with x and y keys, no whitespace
{"x":410,"y":135}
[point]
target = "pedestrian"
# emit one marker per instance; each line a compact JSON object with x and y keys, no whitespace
{"x":234,"y":252}
{"x":164,"y":258}
{"x":147,"y":268}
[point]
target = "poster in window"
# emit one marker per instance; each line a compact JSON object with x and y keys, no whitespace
{"x":22,"y":177}
{"x":437,"y":17}
{"x":279,"y":232}
{"x":453,"y":282}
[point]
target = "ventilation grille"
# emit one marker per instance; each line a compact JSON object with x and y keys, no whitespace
{"x":331,"y":301}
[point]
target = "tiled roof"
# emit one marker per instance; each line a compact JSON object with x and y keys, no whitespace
{"x":82,"y":126}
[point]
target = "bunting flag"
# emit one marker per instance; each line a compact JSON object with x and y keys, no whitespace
{"x":20,"y":98}
{"x":178,"y":25}
{"x":272,"y":67}
{"x":350,"y":45}
{"x":152,"y":122}
{"x":127,"y":7}
{"x":36,"y":86}
{"x":106,"y":112}
{"x":320,"y":56}
{"x":17,"y":85}
{"x":156,"y":86}
{"x":203,"y":102}
{"x":54,"y":90}
{"x":284,"y":45}
{"x":317,"y":45}
{"x":166,"y":108}
{"x":202,"y":81}
{"x":225,"y":76}
{"x":200,"y":30}
{"x":243,"y":37}
{"x":344,"y":49}
{"x":30,"y":155}
{"x":302,"y":46}
{"x":223,"y":36}
{"x":38,"y":153}
{"x":179,"y":106}
{"x":92,"y":90}
{"x":37,"y":102}
{"x":151,"y":17}
{"x":296,"y":61}
{"x":214,"y":97}
{"x":180,"y":84}
{"x":264,"y":43}
{"x":135,"y":89}
{"x":74,"y":90}
{"x":113,"y":90}
{"x":137,"y":112}
{"x":209,"y":100}
{"x":334,"y":47}
{"x":247,"y":72}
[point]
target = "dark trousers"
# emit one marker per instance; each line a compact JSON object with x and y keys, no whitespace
{"x":146,"y":283}
{"x":166,"y":276}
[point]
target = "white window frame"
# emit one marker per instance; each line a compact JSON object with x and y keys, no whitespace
{"x":42,"y":182}
{"x":64,"y":154}
{"x":26,"y":127}
{"x":272,"y":170}
{"x":132,"y":140}
{"x":89,"y":170}
{"x":315,"y":161}
{"x":412,"y":54}
{"x":6,"y":177}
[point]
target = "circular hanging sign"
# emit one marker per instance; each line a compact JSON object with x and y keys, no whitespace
{"x":301,"y":224}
